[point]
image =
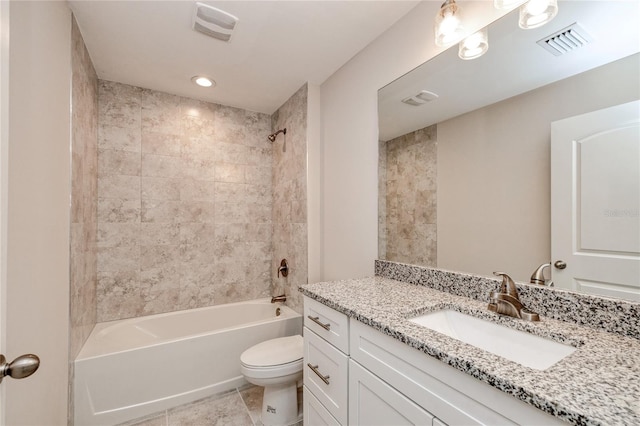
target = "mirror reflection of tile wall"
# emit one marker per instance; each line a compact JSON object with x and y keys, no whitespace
{"x":408,"y":172}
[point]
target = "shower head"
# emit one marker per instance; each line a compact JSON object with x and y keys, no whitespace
{"x":272,"y":136}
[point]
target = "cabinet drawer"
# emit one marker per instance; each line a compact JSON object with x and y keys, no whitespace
{"x":327,"y":323}
{"x":372,"y":402}
{"x":314,"y":412}
{"x":328,"y":364}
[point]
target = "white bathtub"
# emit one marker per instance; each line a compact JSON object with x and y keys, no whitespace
{"x":134,"y":367}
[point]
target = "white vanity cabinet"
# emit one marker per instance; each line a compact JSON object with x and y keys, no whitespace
{"x":326,"y":363}
{"x":453,"y":396}
{"x":378,"y":380}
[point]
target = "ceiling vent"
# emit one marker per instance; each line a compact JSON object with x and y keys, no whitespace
{"x":567,"y":40}
{"x":213,"y":22}
{"x":421,"y":98}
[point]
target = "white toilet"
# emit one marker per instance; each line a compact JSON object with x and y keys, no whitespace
{"x":276,"y":364}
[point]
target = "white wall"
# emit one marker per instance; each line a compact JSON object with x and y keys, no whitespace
{"x":350,"y":135}
{"x":314,"y":183}
{"x":37,"y":309}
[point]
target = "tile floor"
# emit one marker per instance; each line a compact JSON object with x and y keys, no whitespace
{"x":239,"y":407}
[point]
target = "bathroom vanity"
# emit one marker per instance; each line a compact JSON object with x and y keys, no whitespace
{"x":366,"y":362}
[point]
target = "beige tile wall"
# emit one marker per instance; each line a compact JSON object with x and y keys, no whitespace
{"x":184,"y":208}
{"x":290,"y":197}
{"x":411,"y":171}
{"x":84,"y":194}
{"x":382,"y":200}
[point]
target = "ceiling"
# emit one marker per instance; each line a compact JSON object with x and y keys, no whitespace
{"x":276,"y":48}
{"x":513,"y":64}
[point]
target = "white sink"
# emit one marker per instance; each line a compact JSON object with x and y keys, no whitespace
{"x":515,"y":345}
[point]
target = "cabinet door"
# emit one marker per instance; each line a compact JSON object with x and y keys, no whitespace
{"x":315,"y":414}
{"x":372,"y":402}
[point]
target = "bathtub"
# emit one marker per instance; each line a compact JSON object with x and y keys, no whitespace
{"x":131,"y":368}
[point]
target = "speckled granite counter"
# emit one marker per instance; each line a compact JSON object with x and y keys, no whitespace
{"x":598,"y":384}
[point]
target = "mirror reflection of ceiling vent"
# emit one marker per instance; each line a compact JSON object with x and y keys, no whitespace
{"x":213,"y":22}
{"x":566,"y":40}
{"x":421,"y":98}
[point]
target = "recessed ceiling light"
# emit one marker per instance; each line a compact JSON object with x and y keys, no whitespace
{"x":203,"y":81}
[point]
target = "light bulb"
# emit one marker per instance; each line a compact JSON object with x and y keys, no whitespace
{"x":202,"y":81}
{"x":536,"y":13}
{"x":536,"y":7}
{"x":448,"y":28}
{"x":506,"y":4}
{"x":474,"y":46}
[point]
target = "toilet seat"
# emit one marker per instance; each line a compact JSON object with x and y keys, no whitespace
{"x":280,"y":351}
{"x":272,"y":371}
{"x":273,"y":358}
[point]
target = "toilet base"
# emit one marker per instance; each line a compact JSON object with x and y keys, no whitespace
{"x":280,"y":405}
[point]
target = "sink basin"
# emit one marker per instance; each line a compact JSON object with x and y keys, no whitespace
{"x":515,"y":345}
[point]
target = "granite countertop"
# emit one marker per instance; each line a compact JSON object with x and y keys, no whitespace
{"x":597,"y":384}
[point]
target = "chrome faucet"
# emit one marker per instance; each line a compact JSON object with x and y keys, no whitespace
{"x":507,"y":302}
{"x":281,"y":298}
{"x":538,"y":275}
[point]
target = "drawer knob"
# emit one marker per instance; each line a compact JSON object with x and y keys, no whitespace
{"x":314,"y":368}
{"x":317,"y":321}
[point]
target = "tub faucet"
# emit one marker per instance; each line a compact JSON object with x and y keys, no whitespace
{"x":281,"y":298}
{"x":538,"y":275}
{"x":507,"y":302}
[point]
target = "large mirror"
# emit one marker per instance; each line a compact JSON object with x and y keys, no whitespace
{"x":465,"y":178}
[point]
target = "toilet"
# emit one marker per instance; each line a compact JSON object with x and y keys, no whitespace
{"x":276,"y":364}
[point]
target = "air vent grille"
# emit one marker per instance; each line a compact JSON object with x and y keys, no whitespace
{"x":421,"y":98}
{"x":214,"y":22}
{"x":566,"y":40}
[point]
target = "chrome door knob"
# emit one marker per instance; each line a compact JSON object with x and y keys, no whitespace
{"x":560,"y":264}
{"x":19,"y":368}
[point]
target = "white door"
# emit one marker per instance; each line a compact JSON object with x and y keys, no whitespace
{"x":4,"y":119}
{"x":35,"y":71}
{"x":595,"y":202}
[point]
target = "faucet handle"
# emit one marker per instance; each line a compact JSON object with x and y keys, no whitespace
{"x":284,"y":268}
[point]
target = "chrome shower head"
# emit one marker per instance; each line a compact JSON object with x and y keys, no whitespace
{"x":272,"y":136}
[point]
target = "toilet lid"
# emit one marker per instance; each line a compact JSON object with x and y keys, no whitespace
{"x":282,"y":350}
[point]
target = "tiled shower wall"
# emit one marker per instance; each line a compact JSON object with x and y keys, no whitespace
{"x":411,"y":172}
{"x":290,"y":197}
{"x":185,"y":203}
{"x":84,"y":194}
{"x":84,"y":201}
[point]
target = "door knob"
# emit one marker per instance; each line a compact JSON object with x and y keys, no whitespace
{"x":19,"y":368}
{"x":560,"y":264}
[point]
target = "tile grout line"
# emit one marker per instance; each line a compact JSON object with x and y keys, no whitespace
{"x":246,"y":407}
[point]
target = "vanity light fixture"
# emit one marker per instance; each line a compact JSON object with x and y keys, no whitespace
{"x":474,"y":46}
{"x":203,"y":81}
{"x":535,"y":13}
{"x":448,"y":28}
{"x":507,"y":4}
